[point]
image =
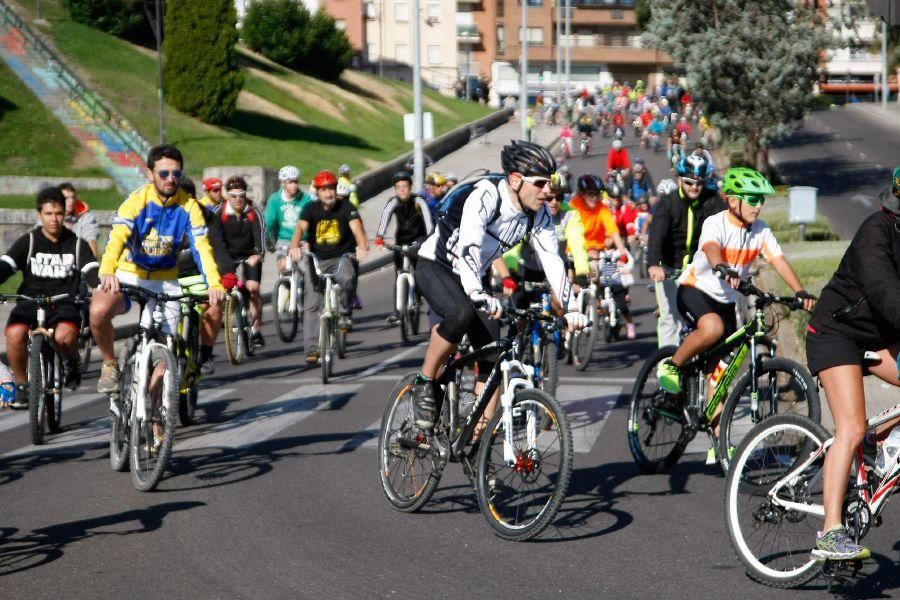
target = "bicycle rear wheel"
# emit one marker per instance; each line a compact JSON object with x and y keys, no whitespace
{"x":772,"y":541}
{"x":549,"y":366}
{"x":656,"y":423}
{"x":152,"y":436}
{"x":409,"y":476}
{"x":519,"y":498}
{"x":85,"y":346}
{"x":325,"y":356}
{"x":234,"y":329}
{"x":189,"y":368}
{"x":784,"y":387}
{"x":53,"y":393}
{"x":286,"y":319}
{"x":37,"y":386}
{"x":415,"y":315}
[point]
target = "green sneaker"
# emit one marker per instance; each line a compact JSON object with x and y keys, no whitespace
{"x":711,"y":456}
{"x":669,"y":377}
{"x":835,"y":544}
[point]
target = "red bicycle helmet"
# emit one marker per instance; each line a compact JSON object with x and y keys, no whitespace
{"x":325,"y":179}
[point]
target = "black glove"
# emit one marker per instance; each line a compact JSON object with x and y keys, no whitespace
{"x":723,"y":271}
{"x":804,"y":295}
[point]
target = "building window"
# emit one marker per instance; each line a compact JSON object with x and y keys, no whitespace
{"x":499,"y":8}
{"x":434,"y":54}
{"x":535,"y":36}
{"x":532,"y":2}
{"x":340,"y":24}
{"x":401,"y":52}
{"x":370,"y":51}
{"x":401,"y":11}
{"x":501,"y":39}
{"x":433,"y":11}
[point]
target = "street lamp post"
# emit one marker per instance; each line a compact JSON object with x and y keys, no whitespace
{"x":568,"y":46}
{"x":418,"y":152}
{"x":884,"y":66}
{"x":523,"y":94}
{"x":558,"y":55}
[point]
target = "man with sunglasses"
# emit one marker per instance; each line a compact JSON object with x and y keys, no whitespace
{"x":476,"y":230}
{"x":143,"y":251}
{"x":729,"y":243}
{"x":674,"y":232}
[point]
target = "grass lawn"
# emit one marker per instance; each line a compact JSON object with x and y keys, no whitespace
{"x":283,"y":116}
{"x":775,"y":214}
{"x":35,"y":142}
{"x":96,"y":199}
{"x":11,"y":285}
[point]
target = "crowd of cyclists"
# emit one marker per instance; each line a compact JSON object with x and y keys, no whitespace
{"x":697,"y":231}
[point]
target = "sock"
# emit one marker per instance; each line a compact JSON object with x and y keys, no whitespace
{"x":205,"y":353}
{"x":420,"y":379}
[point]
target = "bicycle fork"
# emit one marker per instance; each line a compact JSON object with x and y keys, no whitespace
{"x":511,"y":385}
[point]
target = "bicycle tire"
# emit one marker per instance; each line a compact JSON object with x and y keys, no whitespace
{"x":493,"y":482}
{"x":550,"y":367}
{"x":120,"y":427}
{"x":233,"y":327}
{"x":147,"y":471}
{"x":738,"y":494}
{"x":85,"y":349}
{"x":736,"y":418}
{"x":395,"y":421}
{"x":653,"y":408}
{"x":247,"y":344}
{"x":401,"y":290}
{"x":325,"y":347}
{"x":285,"y":320}
{"x":415,"y":315}
{"x":54,"y":398}
{"x":36,"y":385}
{"x":584,"y":342}
{"x":189,"y":370}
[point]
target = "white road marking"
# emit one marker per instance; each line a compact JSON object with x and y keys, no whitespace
{"x":14,"y":419}
{"x":862,"y":155}
{"x":95,"y":433}
{"x":862,"y":199}
{"x":387,"y":363}
{"x":266,"y":420}
{"x":849,"y":145}
{"x":878,"y":166}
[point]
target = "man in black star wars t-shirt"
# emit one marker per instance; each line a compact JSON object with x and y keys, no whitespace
{"x":53,"y":261}
{"x":335,"y":235}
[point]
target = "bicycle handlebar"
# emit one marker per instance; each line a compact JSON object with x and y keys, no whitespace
{"x":403,"y":247}
{"x":182,"y":296}
{"x":44,"y":299}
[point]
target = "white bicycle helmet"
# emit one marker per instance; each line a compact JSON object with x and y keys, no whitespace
{"x":288,"y":173}
{"x":666,"y":186}
{"x":344,"y":169}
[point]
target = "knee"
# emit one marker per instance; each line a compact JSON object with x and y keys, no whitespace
{"x":253,"y":288}
{"x":711,"y":329}
{"x":101,"y":307}
{"x":16,"y":336}
{"x":65,"y":335}
{"x":851,"y":433}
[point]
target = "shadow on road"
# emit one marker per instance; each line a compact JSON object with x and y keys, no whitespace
{"x":47,"y":544}
{"x":834,"y":175}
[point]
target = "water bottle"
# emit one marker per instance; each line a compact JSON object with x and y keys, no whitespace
{"x":720,"y":368}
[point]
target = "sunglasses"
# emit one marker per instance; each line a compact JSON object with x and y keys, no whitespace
{"x":237,"y":193}
{"x":693,"y":182}
{"x":537,"y":181}
{"x":554,"y":199}
{"x":751,"y":200}
{"x":165,"y":174}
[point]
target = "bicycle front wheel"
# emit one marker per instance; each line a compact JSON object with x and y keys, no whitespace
{"x":656,"y":423}
{"x":771,"y":540}
{"x":550,"y":366}
{"x":234,"y":329}
{"x":519,"y":495}
{"x":409,"y":474}
{"x":325,"y":355}
{"x":402,"y":313}
{"x":54,"y":391}
{"x":583,"y":341}
{"x":120,"y":426}
{"x":152,"y":436}
{"x":37,"y":388}
{"x":287,"y":313}
{"x":783,"y":387}
{"x":85,"y":346}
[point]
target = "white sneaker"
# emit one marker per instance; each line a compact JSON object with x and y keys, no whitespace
{"x":887,"y":453}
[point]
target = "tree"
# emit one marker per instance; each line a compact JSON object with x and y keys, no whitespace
{"x":642,"y":14}
{"x":121,"y":18}
{"x":753,"y":63}
{"x":285,"y":32}
{"x":200,"y":69}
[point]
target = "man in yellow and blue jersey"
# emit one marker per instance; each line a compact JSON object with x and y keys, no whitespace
{"x":143,"y":250}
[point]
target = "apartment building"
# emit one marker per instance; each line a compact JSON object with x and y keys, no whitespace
{"x":853,"y":68}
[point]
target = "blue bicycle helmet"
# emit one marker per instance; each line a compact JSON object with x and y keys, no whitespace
{"x":694,"y":165}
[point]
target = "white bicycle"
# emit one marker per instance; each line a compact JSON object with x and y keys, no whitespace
{"x":332,"y":339}
{"x":287,"y":298}
{"x":408,"y":301}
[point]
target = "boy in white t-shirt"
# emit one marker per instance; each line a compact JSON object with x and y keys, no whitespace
{"x":729,"y":243}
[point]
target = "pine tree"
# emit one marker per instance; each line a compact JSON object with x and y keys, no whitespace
{"x":200,"y":68}
{"x":752,"y":62}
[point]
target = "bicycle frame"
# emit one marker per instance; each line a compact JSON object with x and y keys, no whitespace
{"x":406,"y":275}
{"x":292,"y":274}
{"x":875,"y":501}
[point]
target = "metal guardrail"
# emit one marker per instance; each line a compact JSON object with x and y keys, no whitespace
{"x":96,"y":106}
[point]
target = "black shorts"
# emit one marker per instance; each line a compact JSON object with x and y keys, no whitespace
{"x":25,"y":313}
{"x":826,"y":350}
{"x":693,"y":304}
{"x":253,"y":273}
{"x":446,"y":296}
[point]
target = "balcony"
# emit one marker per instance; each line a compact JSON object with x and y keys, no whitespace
{"x":468,"y":34}
{"x":593,"y":54}
{"x":468,"y":1}
{"x":593,"y":16}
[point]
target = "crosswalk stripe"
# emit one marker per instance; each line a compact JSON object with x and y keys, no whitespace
{"x":588,"y":407}
{"x":11,"y":420}
{"x":94,"y":433}
{"x":267,"y":420}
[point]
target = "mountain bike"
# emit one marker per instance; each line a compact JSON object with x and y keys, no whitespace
{"x":660,"y":425}
{"x":287,"y":299}
{"x":773,"y":499}
{"x":85,"y":339}
{"x":236,"y":323}
{"x":143,"y":411}
{"x":45,"y":369}
{"x":541,"y":340}
{"x":581,"y":343}
{"x":612,"y":317}
{"x":187,"y":346}
{"x":522,"y":462}
{"x":408,"y":301}
{"x":332,"y":339}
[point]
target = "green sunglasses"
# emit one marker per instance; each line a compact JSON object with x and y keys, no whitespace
{"x":751,"y":200}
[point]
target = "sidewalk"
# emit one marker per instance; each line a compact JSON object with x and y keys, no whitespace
{"x":483,"y":152}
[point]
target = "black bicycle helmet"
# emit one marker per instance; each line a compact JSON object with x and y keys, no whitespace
{"x":526,"y":158}
{"x":589,"y":183}
{"x":401,"y":176}
{"x":614,"y":190}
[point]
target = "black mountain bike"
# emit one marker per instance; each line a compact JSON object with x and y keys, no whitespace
{"x":660,"y":425}
{"x":521,"y":464}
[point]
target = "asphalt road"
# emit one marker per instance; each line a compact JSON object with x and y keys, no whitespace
{"x":276,"y":494}
{"x":848,"y":155}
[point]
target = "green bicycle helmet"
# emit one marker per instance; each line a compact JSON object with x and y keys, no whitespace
{"x":741,"y":180}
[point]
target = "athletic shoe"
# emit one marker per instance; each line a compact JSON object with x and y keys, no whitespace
{"x":886,"y":457}
{"x":109,"y":378}
{"x":207,"y":367}
{"x":424,"y":404}
{"x":393,"y":318}
{"x":835,"y":544}
{"x":629,"y":328}
{"x":312,"y":358}
{"x":345,"y":323}
{"x":669,"y":377}
{"x":258,"y":340}
{"x":357,"y":305}
{"x":711,"y":456}
{"x":21,"y":401}
{"x":72,"y":370}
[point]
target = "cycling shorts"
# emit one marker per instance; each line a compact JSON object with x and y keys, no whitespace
{"x":253,"y":273}
{"x":825,"y":350}
{"x":25,"y":313}
{"x":171,"y":310}
{"x":693,"y":304}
